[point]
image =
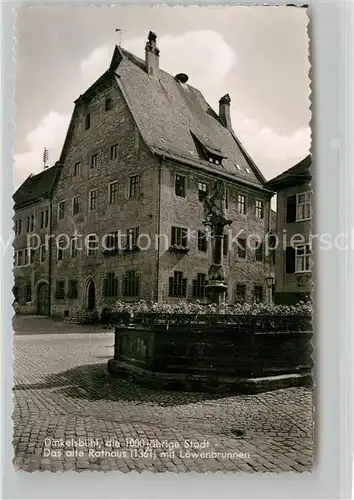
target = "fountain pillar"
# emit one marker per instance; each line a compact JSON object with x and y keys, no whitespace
{"x":215,"y":223}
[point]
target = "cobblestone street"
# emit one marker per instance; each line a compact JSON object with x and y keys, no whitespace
{"x":62,"y":392}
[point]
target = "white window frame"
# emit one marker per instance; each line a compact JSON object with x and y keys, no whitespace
{"x":303,"y":204}
{"x":89,"y":205}
{"x":26,"y":253}
{"x":181,"y":176}
{"x":59,"y":203}
{"x":45,"y":220}
{"x":73,"y":246}
{"x":244,"y":204}
{"x":18,"y":226}
{"x":89,"y":249}
{"x":109,"y":192}
{"x":302,"y":257}
{"x":41,"y":253}
{"x":23,"y":258}
{"x":62,"y":249}
{"x":137,"y":192}
{"x":27,"y":256}
{"x":72,"y":208}
{"x":78,"y":165}
{"x":261,"y":207}
{"x":94,"y":160}
{"x":202,"y":184}
{"x":114,"y":152}
{"x":31,"y":221}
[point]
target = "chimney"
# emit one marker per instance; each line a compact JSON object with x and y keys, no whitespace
{"x":152,"y":55}
{"x":224,"y":111}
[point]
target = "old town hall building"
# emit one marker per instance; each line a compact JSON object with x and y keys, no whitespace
{"x":141,"y":152}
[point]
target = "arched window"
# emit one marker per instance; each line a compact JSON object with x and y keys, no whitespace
{"x":109,"y":103}
{"x":87,"y":121}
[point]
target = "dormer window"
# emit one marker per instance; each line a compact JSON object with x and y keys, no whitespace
{"x":215,"y":159}
{"x":207,"y":151}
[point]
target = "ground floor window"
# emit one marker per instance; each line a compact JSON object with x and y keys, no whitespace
{"x":110,"y":285}
{"x":131,"y":284}
{"x":302,"y":258}
{"x":72,"y":289}
{"x":258,"y":294}
{"x":199,"y":286}
{"x":177,"y":285}
{"x":240,"y":295}
{"x":179,"y":236}
{"x":60,"y":289}
{"x":28,"y":292}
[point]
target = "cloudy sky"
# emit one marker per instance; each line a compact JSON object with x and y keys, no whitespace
{"x":259,"y":55}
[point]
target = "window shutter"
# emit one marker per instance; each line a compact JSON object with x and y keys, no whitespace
{"x":170,"y":286}
{"x":291,"y":209}
{"x":290,"y":260}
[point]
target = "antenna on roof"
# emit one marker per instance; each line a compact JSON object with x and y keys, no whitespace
{"x":45,"y":157}
{"x":120,"y":31}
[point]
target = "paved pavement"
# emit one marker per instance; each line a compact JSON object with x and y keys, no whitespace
{"x":70,"y":415}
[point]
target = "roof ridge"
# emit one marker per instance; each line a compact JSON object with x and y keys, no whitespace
{"x":305,"y":163}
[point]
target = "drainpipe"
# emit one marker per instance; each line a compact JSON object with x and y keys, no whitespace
{"x":158,"y":229}
{"x":50,"y":257}
{"x":269,"y":290}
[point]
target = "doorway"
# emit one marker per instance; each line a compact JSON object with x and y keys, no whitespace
{"x":91,"y":296}
{"x":43,"y":299}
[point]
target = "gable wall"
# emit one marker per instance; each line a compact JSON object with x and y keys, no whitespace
{"x":133,"y":158}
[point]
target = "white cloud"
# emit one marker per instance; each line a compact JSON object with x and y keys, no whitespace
{"x":273,"y":152}
{"x":50,"y":133}
{"x":203,"y":55}
{"x":207,"y":59}
{"x":95,"y":65}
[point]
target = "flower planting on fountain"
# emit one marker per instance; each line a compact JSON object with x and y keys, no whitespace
{"x":199,"y":308}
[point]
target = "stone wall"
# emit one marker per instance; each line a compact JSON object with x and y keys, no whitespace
{"x":212,"y":354}
{"x":188,"y":212}
{"x":35,"y":272}
{"x":108,"y":128}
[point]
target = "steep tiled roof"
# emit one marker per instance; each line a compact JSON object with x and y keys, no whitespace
{"x":297,"y":174}
{"x":170,"y":115}
{"x":36,"y":187}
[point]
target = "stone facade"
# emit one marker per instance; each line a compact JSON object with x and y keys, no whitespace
{"x":113,"y":178}
{"x":107,"y":129}
{"x":188,"y":212}
{"x":155,"y":210}
{"x":31,"y":273}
